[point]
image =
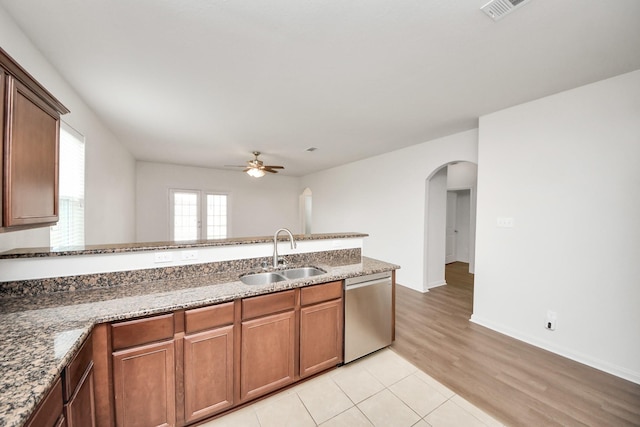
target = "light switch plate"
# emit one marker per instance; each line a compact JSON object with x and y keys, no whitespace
{"x":504,"y":222}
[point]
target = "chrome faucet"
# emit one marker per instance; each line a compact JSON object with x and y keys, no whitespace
{"x":275,"y":244}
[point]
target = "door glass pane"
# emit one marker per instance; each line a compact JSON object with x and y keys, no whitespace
{"x":216,"y":216}
{"x":185,"y":216}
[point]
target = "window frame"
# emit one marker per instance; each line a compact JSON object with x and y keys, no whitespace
{"x":80,"y":227}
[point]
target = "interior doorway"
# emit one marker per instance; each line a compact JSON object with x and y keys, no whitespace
{"x":452,"y":184}
{"x":458,"y":225}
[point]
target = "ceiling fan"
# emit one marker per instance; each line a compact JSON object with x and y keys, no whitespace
{"x":256,"y":168}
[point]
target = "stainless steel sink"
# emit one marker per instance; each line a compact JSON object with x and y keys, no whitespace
{"x":278,"y":276}
{"x":302,"y":272}
{"x":262,"y":278}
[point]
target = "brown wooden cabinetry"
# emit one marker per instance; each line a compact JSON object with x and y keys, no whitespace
{"x":79,"y":396}
{"x":321,"y":326}
{"x":183,"y":367}
{"x":49,"y":412}
{"x":3,"y":79}
{"x":268,"y":354}
{"x":30,"y":124}
{"x":208,"y":351}
{"x":144,"y":372}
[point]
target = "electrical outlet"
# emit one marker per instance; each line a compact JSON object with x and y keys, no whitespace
{"x":552,"y":320}
{"x":189,"y":255}
{"x":163,"y":257}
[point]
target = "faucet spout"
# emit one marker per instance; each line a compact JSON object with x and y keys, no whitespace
{"x":275,"y":244}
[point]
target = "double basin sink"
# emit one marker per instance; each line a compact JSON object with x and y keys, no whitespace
{"x":278,"y":276}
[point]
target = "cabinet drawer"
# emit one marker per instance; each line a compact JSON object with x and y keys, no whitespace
{"x":142,"y":331}
{"x":49,"y":412}
{"x":200,"y":319}
{"x":267,"y":304}
{"x":320,"y":293}
{"x":75,"y":370}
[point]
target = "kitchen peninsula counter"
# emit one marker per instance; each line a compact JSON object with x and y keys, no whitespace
{"x":155,"y":246}
{"x":41,"y":333}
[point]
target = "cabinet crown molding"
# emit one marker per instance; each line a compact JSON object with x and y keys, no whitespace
{"x":21,"y":75}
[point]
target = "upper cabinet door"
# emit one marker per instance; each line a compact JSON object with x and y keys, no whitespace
{"x":31,"y":144}
{"x":3,"y":101}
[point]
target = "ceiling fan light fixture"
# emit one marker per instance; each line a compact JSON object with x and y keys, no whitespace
{"x":256,"y":173}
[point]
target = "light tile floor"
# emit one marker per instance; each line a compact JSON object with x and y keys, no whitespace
{"x":382,"y":389}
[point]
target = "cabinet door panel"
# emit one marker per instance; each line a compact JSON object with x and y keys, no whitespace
{"x":320,"y":337}
{"x":268,"y":354}
{"x":3,"y":79}
{"x":31,"y":160}
{"x":81,"y":408}
{"x":144,"y":385}
{"x":208,"y":372}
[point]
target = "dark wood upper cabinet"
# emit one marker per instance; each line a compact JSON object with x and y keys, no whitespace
{"x":30,"y":129}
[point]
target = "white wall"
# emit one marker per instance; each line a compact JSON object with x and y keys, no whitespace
{"x":384,"y":196}
{"x":110,"y":168}
{"x":258,"y":207}
{"x":463,"y":175}
{"x":565,"y":168}
{"x":436,"y":226}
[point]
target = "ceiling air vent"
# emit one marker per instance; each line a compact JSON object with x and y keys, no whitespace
{"x":496,"y":9}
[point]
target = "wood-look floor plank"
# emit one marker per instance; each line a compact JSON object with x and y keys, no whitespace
{"x":517,"y":383}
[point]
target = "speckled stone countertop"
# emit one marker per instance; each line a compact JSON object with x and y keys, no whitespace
{"x":151,"y":246}
{"x":40,"y":334}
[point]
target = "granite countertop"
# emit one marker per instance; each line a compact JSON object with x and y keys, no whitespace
{"x":40,"y":334}
{"x":151,"y":246}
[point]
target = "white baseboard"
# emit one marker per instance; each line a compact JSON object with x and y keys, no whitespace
{"x":435,"y":284}
{"x":424,"y":291}
{"x":562,"y":351}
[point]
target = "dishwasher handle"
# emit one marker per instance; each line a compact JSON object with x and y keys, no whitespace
{"x":369,"y":283}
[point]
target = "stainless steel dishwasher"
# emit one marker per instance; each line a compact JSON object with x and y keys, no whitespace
{"x":367,"y":314}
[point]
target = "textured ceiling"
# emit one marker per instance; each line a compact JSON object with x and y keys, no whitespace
{"x":206,"y":82}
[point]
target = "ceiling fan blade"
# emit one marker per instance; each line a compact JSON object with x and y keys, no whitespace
{"x":274,"y":167}
{"x":268,"y":169}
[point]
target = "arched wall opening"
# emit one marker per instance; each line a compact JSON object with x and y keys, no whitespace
{"x":454,"y":175}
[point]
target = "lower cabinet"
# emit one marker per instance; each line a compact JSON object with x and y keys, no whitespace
{"x":144,"y":385}
{"x":321,"y":328}
{"x":184,"y":367}
{"x":71,"y":400}
{"x":208,"y":361}
{"x":80,"y":410}
{"x":268,"y":354}
{"x":268,"y":351}
{"x":144,"y":373}
{"x":79,"y":394}
{"x":49,"y":412}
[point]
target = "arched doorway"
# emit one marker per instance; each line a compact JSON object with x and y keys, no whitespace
{"x":454,"y":176}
